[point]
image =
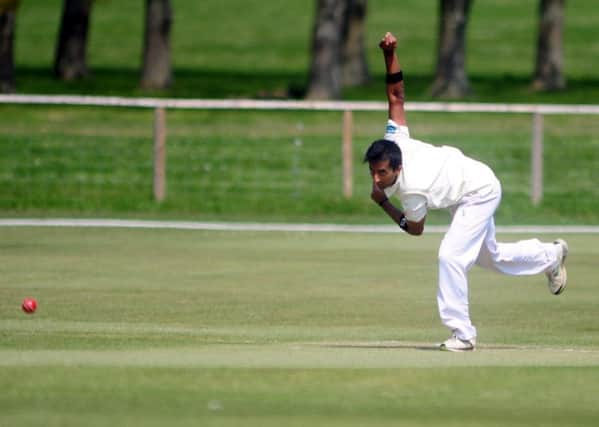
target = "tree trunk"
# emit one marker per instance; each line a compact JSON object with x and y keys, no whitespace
{"x":156,"y":72}
{"x":548,"y":70}
{"x":354,"y":62}
{"x":7,"y":36}
{"x":451,"y":80}
{"x":327,"y":45}
{"x":70,"y":60}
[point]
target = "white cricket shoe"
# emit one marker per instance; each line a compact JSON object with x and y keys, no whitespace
{"x":453,"y":343}
{"x":557,"y":276}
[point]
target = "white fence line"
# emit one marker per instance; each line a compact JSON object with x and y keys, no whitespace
{"x":252,"y":104}
{"x":161,"y":104}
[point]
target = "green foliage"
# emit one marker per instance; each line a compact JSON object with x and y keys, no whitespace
{"x":8,"y":5}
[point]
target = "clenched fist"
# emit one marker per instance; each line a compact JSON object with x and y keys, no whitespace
{"x":388,"y":43}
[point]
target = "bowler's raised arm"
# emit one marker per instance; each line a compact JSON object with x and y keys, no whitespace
{"x":394,"y":79}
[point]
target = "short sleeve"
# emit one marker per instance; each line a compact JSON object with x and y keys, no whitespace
{"x":393,"y":131}
{"x":415,"y":207}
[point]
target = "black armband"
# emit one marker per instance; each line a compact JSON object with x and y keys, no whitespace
{"x":394,"y":77}
{"x":386,"y":199}
{"x":403,"y":223}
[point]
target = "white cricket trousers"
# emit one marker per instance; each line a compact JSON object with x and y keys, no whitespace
{"x":471,"y":240}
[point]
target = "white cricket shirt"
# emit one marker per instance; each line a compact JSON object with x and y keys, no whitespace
{"x":434,"y":177}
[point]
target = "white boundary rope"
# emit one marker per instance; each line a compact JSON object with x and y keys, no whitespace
{"x":253,"y":226}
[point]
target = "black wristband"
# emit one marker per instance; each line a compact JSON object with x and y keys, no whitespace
{"x":394,"y":77}
{"x":386,"y":199}
{"x":403,"y":223}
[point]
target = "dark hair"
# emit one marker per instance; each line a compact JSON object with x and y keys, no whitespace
{"x":383,"y":149}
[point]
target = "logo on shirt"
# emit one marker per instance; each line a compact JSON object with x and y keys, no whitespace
{"x":391,"y":129}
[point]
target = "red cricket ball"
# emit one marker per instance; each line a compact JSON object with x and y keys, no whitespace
{"x":29,"y":305}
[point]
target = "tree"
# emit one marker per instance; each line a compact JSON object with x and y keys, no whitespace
{"x":156,"y":70}
{"x":354,"y":64}
{"x":451,"y":79}
{"x":548,"y":68}
{"x":70,"y":59}
{"x":8,"y":11}
{"x":327,"y":38}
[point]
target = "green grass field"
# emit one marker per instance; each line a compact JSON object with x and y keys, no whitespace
{"x":173,"y":327}
{"x":169,"y":327}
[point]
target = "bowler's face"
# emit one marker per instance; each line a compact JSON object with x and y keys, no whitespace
{"x":383,"y":175}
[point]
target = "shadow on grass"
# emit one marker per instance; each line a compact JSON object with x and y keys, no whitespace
{"x":187,"y":83}
{"x":413,"y":346}
{"x":191,"y":83}
{"x":385,"y":346}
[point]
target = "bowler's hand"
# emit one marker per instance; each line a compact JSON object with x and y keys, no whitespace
{"x":389,"y":43}
{"x":377,"y":194}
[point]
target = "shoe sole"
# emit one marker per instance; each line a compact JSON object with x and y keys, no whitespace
{"x":564,"y":246}
{"x":456,"y":350}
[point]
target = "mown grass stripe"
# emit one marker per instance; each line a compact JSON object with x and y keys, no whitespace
{"x":360,"y":356}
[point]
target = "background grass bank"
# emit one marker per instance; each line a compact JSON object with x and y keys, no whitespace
{"x":270,"y":166}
